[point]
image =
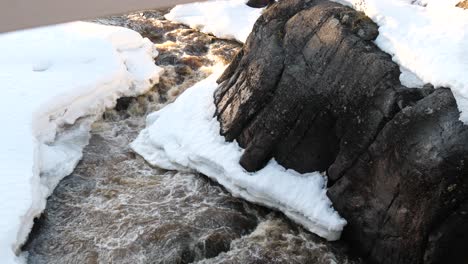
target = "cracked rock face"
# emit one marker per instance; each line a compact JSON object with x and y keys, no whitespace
{"x":311,"y":90}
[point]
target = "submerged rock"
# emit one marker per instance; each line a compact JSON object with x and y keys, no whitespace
{"x":313,"y":91}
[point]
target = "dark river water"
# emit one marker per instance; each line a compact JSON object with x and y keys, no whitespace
{"x":115,"y":208}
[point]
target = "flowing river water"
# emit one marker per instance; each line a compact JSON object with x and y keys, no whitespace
{"x":115,"y":208}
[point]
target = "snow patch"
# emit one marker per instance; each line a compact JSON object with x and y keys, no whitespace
{"x":55,"y":82}
{"x":184,"y":136}
{"x":229,"y":19}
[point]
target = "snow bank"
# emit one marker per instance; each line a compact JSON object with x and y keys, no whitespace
{"x":427,"y":37}
{"x":229,"y":19}
{"x":55,"y":82}
{"x":184,"y":136}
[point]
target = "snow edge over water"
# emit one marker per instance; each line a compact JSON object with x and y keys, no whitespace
{"x":53,"y":127}
{"x":184,"y":136}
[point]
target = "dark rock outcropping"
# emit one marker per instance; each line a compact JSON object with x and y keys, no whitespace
{"x":313,"y":91}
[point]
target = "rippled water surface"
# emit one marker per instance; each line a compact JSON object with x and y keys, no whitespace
{"x":115,"y":208}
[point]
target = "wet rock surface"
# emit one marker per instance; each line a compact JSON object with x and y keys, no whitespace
{"x":115,"y":208}
{"x":313,"y":91}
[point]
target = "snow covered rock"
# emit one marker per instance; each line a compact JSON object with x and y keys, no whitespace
{"x":313,"y":91}
{"x":229,"y":19}
{"x":56,"y":81}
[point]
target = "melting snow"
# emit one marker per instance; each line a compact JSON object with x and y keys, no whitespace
{"x":55,"y":82}
{"x":229,"y":19}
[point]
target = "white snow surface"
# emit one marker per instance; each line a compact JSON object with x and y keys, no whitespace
{"x":428,"y":38}
{"x":55,"y":81}
{"x":228,"y":19}
{"x":184,"y":136}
